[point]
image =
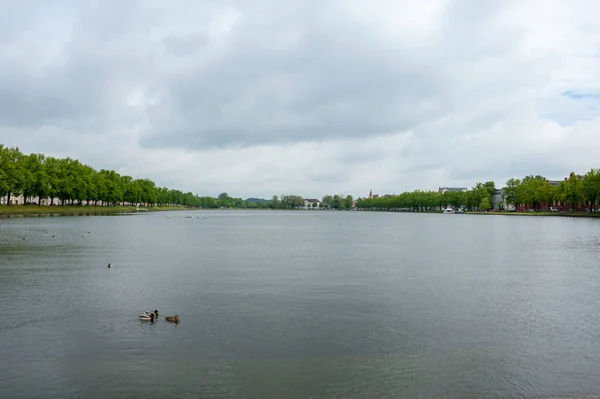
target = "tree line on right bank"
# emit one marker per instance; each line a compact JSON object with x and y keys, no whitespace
{"x":576,"y":193}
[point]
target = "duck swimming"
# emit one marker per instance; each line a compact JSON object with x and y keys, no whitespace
{"x":155,"y":313}
{"x":147,"y":317}
{"x":172,"y":319}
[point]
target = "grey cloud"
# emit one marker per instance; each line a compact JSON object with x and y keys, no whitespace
{"x":280,"y":76}
{"x":329,"y":84}
{"x":518,"y":168}
{"x":73,"y":80}
{"x":185,"y":46}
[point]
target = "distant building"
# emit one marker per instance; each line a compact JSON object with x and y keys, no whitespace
{"x":373,"y":196}
{"x":556,"y":183}
{"x":308,"y":203}
{"x":498,"y":200}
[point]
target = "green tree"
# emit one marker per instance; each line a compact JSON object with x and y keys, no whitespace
{"x":336,"y":202}
{"x":348,"y":202}
{"x":275,"y":202}
{"x":529,"y":191}
{"x":490,"y":187}
{"x":11,"y":172}
{"x":292,"y":201}
{"x":572,"y":191}
{"x":591,"y":187}
{"x":149,"y":193}
{"x":545,"y":194}
{"x":225,"y":200}
{"x":477,"y":194}
{"x":52,"y":167}
{"x":41,"y":186}
{"x":30,"y":172}
{"x":485,"y":204}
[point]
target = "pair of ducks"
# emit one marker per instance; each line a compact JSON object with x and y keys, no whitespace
{"x":154,"y":315}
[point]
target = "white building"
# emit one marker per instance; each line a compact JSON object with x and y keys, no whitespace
{"x":308,"y":203}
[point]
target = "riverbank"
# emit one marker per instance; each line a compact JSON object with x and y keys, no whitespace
{"x":558,"y":214}
{"x":35,"y":210}
{"x":554,"y":214}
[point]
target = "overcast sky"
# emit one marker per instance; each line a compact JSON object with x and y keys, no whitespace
{"x":267,"y":97}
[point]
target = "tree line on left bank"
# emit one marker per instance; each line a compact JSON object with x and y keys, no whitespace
{"x":37,"y":177}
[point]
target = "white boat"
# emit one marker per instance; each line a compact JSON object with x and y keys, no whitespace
{"x":449,"y":210}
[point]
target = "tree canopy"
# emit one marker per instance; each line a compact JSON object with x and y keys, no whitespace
{"x":36,"y":176}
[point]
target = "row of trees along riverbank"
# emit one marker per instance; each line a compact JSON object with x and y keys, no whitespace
{"x":576,"y":193}
{"x":295,"y":201}
{"x":65,"y":181}
{"x":38,"y":177}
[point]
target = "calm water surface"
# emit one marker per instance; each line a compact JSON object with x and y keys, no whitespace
{"x":300,"y":305}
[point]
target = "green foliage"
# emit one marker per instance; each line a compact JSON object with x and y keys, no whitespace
{"x":274,"y":203}
{"x":73,"y":183}
{"x":590,"y":186}
{"x":337,"y":202}
{"x":485,"y":204}
{"x":478,"y":193}
{"x":12,"y":179}
{"x":532,"y":192}
{"x":410,"y":201}
{"x":511,"y":191}
{"x":571,"y":191}
{"x":490,"y":187}
{"x":291,"y":202}
{"x":348,"y":202}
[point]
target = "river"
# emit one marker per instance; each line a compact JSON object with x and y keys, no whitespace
{"x":300,"y":305}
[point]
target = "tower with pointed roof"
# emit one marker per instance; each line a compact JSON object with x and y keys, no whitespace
{"x":370,"y":194}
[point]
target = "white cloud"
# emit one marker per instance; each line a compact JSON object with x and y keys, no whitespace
{"x":308,"y":98}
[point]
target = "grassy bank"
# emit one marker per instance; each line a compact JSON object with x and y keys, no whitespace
{"x":34,"y":210}
{"x":558,"y":214}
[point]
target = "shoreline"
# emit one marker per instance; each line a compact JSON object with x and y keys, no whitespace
{"x":551,"y":214}
{"x":7,"y":211}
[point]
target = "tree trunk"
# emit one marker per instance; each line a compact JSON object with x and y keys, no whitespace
{"x":8,"y":198}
